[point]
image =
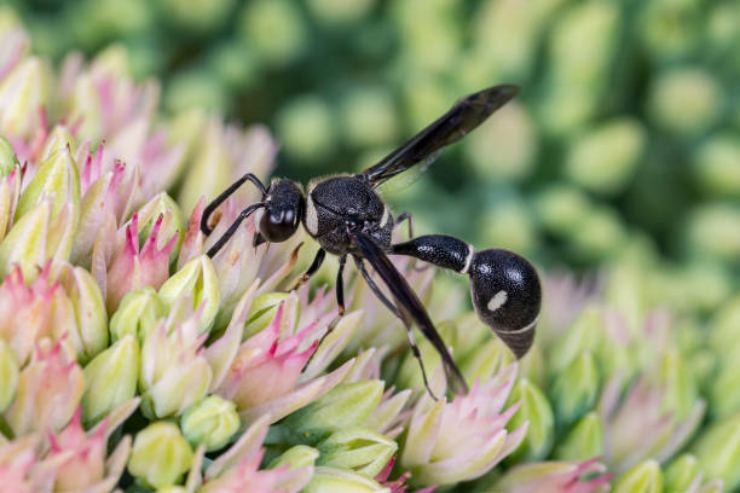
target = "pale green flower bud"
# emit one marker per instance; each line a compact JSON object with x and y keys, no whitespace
{"x":306,"y":127}
{"x":714,"y":229}
{"x":534,"y":409}
{"x":160,"y":455}
{"x":22,"y":92}
{"x":331,"y":480}
{"x":645,"y":477}
{"x":296,"y":457}
{"x":510,"y":225}
{"x":8,"y":375}
{"x":357,"y":449}
{"x":576,"y":388}
{"x":110,"y":378}
{"x":137,"y":314}
{"x":197,"y":279}
{"x":368,"y":117}
{"x":583,"y":335}
{"x":262,"y":311}
{"x":8,"y":161}
{"x":197,"y":16}
{"x":85,"y":327}
{"x":583,"y":441}
{"x":59,"y":140}
{"x":275,"y":28}
{"x":681,"y":473}
{"x":36,"y":238}
{"x":600,"y":236}
{"x":685,"y":101}
{"x":605,"y":158}
{"x":337,"y":12}
{"x":715,"y":165}
{"x":718,"y":451}
{"x":562,"y":208}
{"x":58,"y":179}
{"x":488,"y":359}
{"x":346,"y":406}
{"x":172,"y":223}
{"x":212,"y":422}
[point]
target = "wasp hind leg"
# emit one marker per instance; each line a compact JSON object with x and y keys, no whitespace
{"x":394,"y":309}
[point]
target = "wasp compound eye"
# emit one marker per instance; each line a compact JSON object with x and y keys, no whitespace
{"x":506,"y":293}
{"x":279,"y":225}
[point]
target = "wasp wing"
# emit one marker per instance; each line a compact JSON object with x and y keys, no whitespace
{"x":407,"y":301}
{"x":463,"y":117}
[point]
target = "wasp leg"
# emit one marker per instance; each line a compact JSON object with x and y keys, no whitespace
{"x":394,"y":309}
{"x":340,"y":304}
{"x":406,"y":216}
{"x":315,"y":265}
{"x":210,"y":208}
{"x":232,"y":229}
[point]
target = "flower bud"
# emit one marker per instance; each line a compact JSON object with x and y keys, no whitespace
{"x":449,"y":442}
{"x":110,"y":378}
{"x":645,"y":477}
{"x":346,"y":406}
{"x":718,"y":451}
{"x":8,"y":375}
{"x":331,"y":480}
{"x":605,"y":158}
{"x":8,"y":160}
{"x":682,"y":474}
{"x":86,"y":327}
{"x":685,"y":101}
{"x":59,"y":140}
{"x":10,"y":192}
{"x":576,"y":388}
{"x":84,"y":464}
{"x":49,"y":390}
{"x":137,"y":265}
{"x":197,"y":279}
{"x":554,"y":477}
{"x":137,"y":314}
{"x":584,"y":440}
{"x":212,"y":423}
{"x":160,"y":455}
{"x":535,"y":410}
{"x":172,"y":223}
{"x":36,"y":238}
{"x":296,"y":457}
{"x":57,"y":179}
{"x":174,"y":371}
{"x":22,"y":93}
{"x":262,"y":311}
{"x":357,"y":449}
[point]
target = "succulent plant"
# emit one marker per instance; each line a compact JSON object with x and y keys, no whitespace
{"x":131,"y":361}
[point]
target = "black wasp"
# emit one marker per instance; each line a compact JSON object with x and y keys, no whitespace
{"x":347,"y":217}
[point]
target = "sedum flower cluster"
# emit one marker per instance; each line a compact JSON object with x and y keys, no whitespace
{"x":131,"y":361}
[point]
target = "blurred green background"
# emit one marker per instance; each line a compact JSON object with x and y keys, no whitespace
{"x":627,"y":130}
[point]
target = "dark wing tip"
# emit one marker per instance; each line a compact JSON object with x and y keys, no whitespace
{"x":493,"y":98}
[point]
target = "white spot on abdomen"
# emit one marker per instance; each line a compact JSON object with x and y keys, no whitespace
{"x":497,"y":301}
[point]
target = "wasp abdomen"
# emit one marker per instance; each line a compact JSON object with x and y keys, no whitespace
{"x":506,"y":293}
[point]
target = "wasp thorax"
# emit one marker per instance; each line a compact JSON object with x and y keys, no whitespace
{"x":283,"y":210}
